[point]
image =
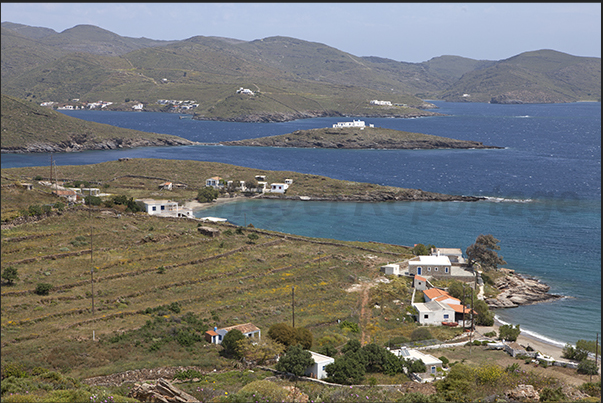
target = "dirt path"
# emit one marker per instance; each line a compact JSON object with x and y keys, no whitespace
{"x":364,"y":312}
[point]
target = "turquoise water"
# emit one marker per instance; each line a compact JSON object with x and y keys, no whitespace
{"x":544,"y":190}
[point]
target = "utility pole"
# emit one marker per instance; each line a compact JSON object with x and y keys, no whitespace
{"x":91,"y":261}
{"x":596,"y":356}
{"x":293,"y":303}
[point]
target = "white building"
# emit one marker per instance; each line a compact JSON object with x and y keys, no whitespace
{"x":431,"y":363}
{"x":246,"y":91}
{"x":214,"y":182}
{"x":216,"y":336}
{"x":434,"y":313}
{"x":138,"y":107}
{"x":278,"y":187}
{"x":318,"y":370}
{"x":392,"y":268}
{"x":165,"y":208}
{"x":454,"y":254}
{"x":376,"y":102}
{"x":429,"y":266}
{"x":353,"y":123}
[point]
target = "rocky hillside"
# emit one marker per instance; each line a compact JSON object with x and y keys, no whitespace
{"x":29,"y":128}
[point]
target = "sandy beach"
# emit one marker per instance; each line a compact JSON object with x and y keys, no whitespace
{"x":196,"y":206}
{"x":527,"y":340}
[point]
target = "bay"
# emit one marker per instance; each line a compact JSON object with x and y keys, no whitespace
{"x":544,"y":189}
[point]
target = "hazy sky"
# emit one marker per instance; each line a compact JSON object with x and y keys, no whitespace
{"x":409,"y":32}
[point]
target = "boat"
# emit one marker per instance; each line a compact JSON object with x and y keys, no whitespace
{"x":185,"y":117}
{"x":450,"y":324}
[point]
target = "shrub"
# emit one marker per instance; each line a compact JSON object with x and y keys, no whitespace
{"x":508,"y":332}
{"x":230,"y":343}
{"x":351,"y":326}
{"x":43,"y":288}
{"x":13,"y":369}
{"x":588,"y":367}
{"x":445,"y":361}
{"x":10,"y":275}
{"x":591,"y":388}
{"x":421,"y":333}
{"x":552,"y":395}
{"x":207,"y":194}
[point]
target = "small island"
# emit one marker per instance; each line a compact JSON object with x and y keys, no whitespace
{"x":357,"y":135}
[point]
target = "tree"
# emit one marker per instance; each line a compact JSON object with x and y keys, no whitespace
{"x":422,"y":250}
{"x":417,"y":367}
{"x":304,"y":337}
{"x":588,"y":367}
{"x":207,"y":194}
{"x":508,"y":332}
{"x":483,"y":251}
{"x":10,"y":275}
{"x":485,"y":317}
{"x":295,"y":361}
{"x":43,"y":288}
{"x":346,"y":370}
{"x":352,"y":345}
{"x":282,"y":333}
{"x":376,"y":357}
{"x":259,"y":351}
{"x":230,"y":343}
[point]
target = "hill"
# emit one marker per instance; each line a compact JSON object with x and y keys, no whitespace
{"x":357,"y":138}
{"x":545,"y":76}
{"x":291,"y":78}
{"x":27,"y":127}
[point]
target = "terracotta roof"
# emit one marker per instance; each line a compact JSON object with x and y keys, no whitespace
{"x":444,"y":297}
{"x":459,"y":308}
{"x":420,"y":278}
{"x":64,"y":192}
{"x":244,"y":328}
{"x":211,"y":333}
{"x":434,"y":293}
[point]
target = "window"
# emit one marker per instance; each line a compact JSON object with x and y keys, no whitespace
{"x":426,"y":316}
{"x":435,"y":268}
{"x":433,"y":369}
{"x":446,"y":270}
{"x":429,"y":269}
{"x":446,"y":316}
{"x":162,"y":207}
{"x":154,"y":208}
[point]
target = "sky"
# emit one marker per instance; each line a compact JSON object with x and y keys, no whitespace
{"x":407,"y":32}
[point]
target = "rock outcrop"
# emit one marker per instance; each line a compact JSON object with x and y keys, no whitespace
{"x":517,"y":290}
{"x":163,"y":392}
{"x":75,"y":145}
{"x":523,"y":393}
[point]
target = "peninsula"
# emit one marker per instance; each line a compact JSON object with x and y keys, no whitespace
{"x":358,"y":137}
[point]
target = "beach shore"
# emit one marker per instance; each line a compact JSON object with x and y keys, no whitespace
{"x":196,"y":206}
{"x":527,"y":340}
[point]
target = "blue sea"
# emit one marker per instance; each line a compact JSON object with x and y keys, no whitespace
{"x":543,"y":190}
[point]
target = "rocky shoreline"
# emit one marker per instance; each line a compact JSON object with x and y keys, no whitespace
{"x":403,"y":195}
{"x":516,"y":290}
{"x":272,"y":117}
{"x":111,"y":144}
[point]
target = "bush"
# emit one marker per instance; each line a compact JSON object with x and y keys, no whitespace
{"x":187,"y":374}
{"x":508,"y":332}
{"x":351,"y":326}
{"x":588,"y":367}
{"x":43,"y":288}
{"x":591,"y":388}
{"x":207,"y":194}
{"x":13,"y":369}
{"x":230,"y":343}
{"x":552,"y":395}
{"x":421,"y":333}
{"x":10,"y":275}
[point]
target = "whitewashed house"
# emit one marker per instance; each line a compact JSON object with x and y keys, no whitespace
{"x":434,"y":313}
{"x":216,"y":336}
{"x":353,"y":123}
{"x":455,"y":255}
{"x":432,"y":364}
{"x":165,"y":208}
{"x":429,"y":265}
{"x":138,"y":107}
{"x":214,"y":182}
{"x":419,"y":283}
{"x":166,"y":185}
{"x":383,"y":103}
{"x":278,"y":187}
{"x":318,"y":370}
{"x":391,"y":269}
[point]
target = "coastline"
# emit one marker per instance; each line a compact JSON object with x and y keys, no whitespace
{"x":526,"y":339}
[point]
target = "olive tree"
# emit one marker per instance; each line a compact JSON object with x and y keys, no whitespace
{"x":483,"y":251}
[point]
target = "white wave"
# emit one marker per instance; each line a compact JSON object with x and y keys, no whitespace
{"x":533,"y":334}
{"x":502,"y":199}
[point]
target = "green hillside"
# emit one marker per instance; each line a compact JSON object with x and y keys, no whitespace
{"x":27,"y":127}
{"x":533,"y":77}
{"x":296,"y":78}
